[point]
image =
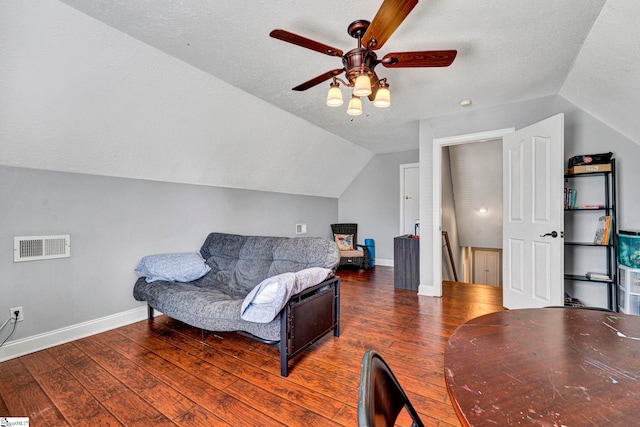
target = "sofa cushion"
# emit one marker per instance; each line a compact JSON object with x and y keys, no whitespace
{"x":207,"y":308}
{"x":351,"y":254}
{"x":183,"y":267}
{"x":241,"y":262}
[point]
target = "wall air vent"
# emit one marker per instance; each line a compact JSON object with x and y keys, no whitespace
{"x":32,"y":248}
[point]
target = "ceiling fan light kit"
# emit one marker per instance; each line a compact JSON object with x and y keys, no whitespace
{"x":383,"y":95}
{"x":334,"y":97}
{"x":362,"y":86}
{"x":355,"y":106}
{"x":359,"y":63}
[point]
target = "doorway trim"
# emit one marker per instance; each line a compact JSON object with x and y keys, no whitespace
{"x":438,"y":145}
{"x":402,"y":169}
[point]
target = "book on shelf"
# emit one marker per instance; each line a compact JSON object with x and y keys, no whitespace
{"x":603,"y":230}
{"x":590,"y":207}
{"x":607,"y":231}
{"x":600,"y":277}
{"x":570,"y":198}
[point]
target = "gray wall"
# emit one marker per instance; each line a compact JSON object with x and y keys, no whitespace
{"x":113,"y":222}
{"x":373,"y":201}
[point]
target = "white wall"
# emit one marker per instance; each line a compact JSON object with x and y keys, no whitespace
{"x":80,"y":96}
{"x":113,"y":222}
{"x":583,"y":134}
{"x":373,"y":201}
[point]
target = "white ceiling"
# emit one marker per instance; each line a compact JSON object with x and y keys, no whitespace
{"x":508,"y":51}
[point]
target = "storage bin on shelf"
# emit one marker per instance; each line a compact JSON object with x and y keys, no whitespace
{"x":629,"y":248}
{"x":628,"y":290}
{"x":590,"y":163}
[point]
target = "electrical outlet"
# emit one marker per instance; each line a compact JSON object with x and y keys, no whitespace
{"x":20,"y":315}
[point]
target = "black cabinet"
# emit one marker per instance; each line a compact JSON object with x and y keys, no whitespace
{"x":406,"y":262}
{"x":580,"y":215}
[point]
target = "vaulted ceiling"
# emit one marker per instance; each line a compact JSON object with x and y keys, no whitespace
{"x":508,"y":51}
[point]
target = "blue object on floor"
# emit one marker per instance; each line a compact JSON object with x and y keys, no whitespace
{"x":371,"y":246}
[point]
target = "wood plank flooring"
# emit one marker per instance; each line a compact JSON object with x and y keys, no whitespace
{"x":159,"y":373}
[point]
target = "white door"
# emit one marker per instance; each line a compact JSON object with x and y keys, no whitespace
{"x":486,"y":267}
{"x":532,"y":243}
{"x":410,"y":193}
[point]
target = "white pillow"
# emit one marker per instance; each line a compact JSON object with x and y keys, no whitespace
{"x":183,"y":267}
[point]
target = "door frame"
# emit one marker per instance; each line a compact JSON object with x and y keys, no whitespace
{"x":402,"y":170}
{"x":438,"y":145}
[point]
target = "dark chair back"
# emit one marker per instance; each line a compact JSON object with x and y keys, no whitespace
{"x":381,"y":398}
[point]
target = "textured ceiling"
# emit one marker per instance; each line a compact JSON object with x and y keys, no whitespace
{"x":508,"y":50}
{"x":605,"y":78}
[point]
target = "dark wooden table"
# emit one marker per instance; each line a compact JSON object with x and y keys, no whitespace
{"x":546,"y":367}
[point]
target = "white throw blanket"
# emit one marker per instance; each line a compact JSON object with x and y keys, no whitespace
{"x":269,"y":297}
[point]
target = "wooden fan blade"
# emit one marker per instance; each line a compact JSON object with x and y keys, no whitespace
{"x":317,"y":80}
{"x":427,"y":58}
{"x":389,"y":17}
{"x":305,"y":42}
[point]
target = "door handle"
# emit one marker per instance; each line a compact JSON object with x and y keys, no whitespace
{"x":553,"y":234}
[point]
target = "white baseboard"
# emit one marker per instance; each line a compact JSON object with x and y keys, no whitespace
{"x":384,"y":262}
{"x":45,"y":340}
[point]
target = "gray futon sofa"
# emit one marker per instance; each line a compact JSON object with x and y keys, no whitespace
{"x":241,"y":276}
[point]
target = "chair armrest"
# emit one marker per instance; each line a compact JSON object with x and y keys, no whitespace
{"x":364,"y":249}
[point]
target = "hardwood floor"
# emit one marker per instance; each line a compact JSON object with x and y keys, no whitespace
{"x":159,"y":373}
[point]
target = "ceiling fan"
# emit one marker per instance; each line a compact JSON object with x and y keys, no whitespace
{"x":359,"y":63}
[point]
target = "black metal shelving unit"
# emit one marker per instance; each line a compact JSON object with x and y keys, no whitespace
{"x":610,"y":248}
